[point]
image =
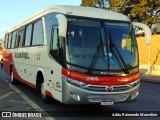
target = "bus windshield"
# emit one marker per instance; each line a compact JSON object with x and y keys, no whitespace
{"x":98,"y":45}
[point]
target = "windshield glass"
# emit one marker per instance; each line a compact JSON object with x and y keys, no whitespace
{"x":96,"y":45}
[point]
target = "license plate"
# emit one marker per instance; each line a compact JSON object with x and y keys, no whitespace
{"x":107,"y":103}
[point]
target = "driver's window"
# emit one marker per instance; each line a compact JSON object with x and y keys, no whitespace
{"x":127,"y":43}
{"x":55,"y":44}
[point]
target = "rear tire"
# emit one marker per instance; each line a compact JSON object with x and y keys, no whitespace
{"x":13,"y":81}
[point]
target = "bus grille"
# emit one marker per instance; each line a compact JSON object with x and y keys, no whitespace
{"x":102,"y":98}
{"x":95,"y":88}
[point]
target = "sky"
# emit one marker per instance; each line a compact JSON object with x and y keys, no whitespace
{"x":13,"y":12}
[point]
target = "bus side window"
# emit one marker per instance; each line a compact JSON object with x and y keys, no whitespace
{"x":55,"y":44}
{"x":37,"y":38}
{"x":20,"y":39}
{"x":13,"y":39}
{"x":28,"y":35}
{"x":6,"y":41}
{"x":9,"y":40}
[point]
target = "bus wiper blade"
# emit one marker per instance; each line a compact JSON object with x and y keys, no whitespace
{"x":118,"y":56}
{"x":96,"y":55}
{"x":95,"y":58}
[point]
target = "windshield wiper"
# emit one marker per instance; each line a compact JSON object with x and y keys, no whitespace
{"x":96,"y":56}
{"x":118,"y":56}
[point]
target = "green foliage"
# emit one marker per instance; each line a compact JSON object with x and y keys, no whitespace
{"x":138,"y":10}
{"x":103,"y":4}
{"x":1,"y":46}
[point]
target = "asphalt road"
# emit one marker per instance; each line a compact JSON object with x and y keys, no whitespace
{"x":148,"y":101}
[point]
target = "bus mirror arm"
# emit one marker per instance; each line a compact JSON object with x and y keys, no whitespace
{"x":62,"y":25}
{"x":147,"y":31}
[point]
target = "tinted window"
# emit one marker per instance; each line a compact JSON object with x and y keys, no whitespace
{"x":9,"y":40}
{"x":20,"y":38}
{"x":6,"y":41}
{"x":14,"y":39}
{"x":50,"y":21}
{"x":55,"y":46}
{"x":37,"y":33}
{"x":101,"y":46}
{"x":28,"y":35}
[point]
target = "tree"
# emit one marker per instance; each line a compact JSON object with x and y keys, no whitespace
{"x":1,"y":45}
{"x":138,"y":10}
{"x":145,"y":11}
{"x":103,"y":4}
{"x":158,"y":16}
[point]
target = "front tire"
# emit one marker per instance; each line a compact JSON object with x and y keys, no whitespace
{"x":41,"y":90}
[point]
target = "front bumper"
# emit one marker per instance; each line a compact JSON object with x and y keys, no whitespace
{"x":91,"y":95}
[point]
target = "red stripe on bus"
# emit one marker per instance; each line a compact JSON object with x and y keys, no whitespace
{"x":101,"y":80}
{"x":66,"y":72}
{"x":48,"y":94}
{"x":8,"y":59}
{"x":16,"y":75}
{"x":28,"y":83}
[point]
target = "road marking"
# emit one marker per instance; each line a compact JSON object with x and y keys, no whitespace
{"x":37,"y":108}
{"x":25,"y":97}
{"x":6,"y":95}
{"x":150,"y":83}
{"x":16,"y":101}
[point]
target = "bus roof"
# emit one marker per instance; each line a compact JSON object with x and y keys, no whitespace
{"x":89,"y":12}
{"x":76,"y":11}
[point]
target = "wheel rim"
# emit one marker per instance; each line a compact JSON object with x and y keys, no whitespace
{"x":43,"y":91}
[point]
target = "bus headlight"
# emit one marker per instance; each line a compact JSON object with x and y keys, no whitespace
{"x":135,"y":83}
{"x":134,"y":95}
{"x":74,"y":82}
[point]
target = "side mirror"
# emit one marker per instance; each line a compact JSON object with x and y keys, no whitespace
{"x":62,"y":25}
{"x":147,"y":31}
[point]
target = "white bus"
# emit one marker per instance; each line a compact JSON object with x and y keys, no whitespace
{"x":77,"y":55}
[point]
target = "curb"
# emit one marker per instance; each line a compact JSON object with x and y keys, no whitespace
{"x":152,"y":79}
{"x":154,"y":69}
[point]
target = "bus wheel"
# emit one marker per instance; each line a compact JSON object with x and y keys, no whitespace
{"x":41,"y":90}
{"x":12,"y":79}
